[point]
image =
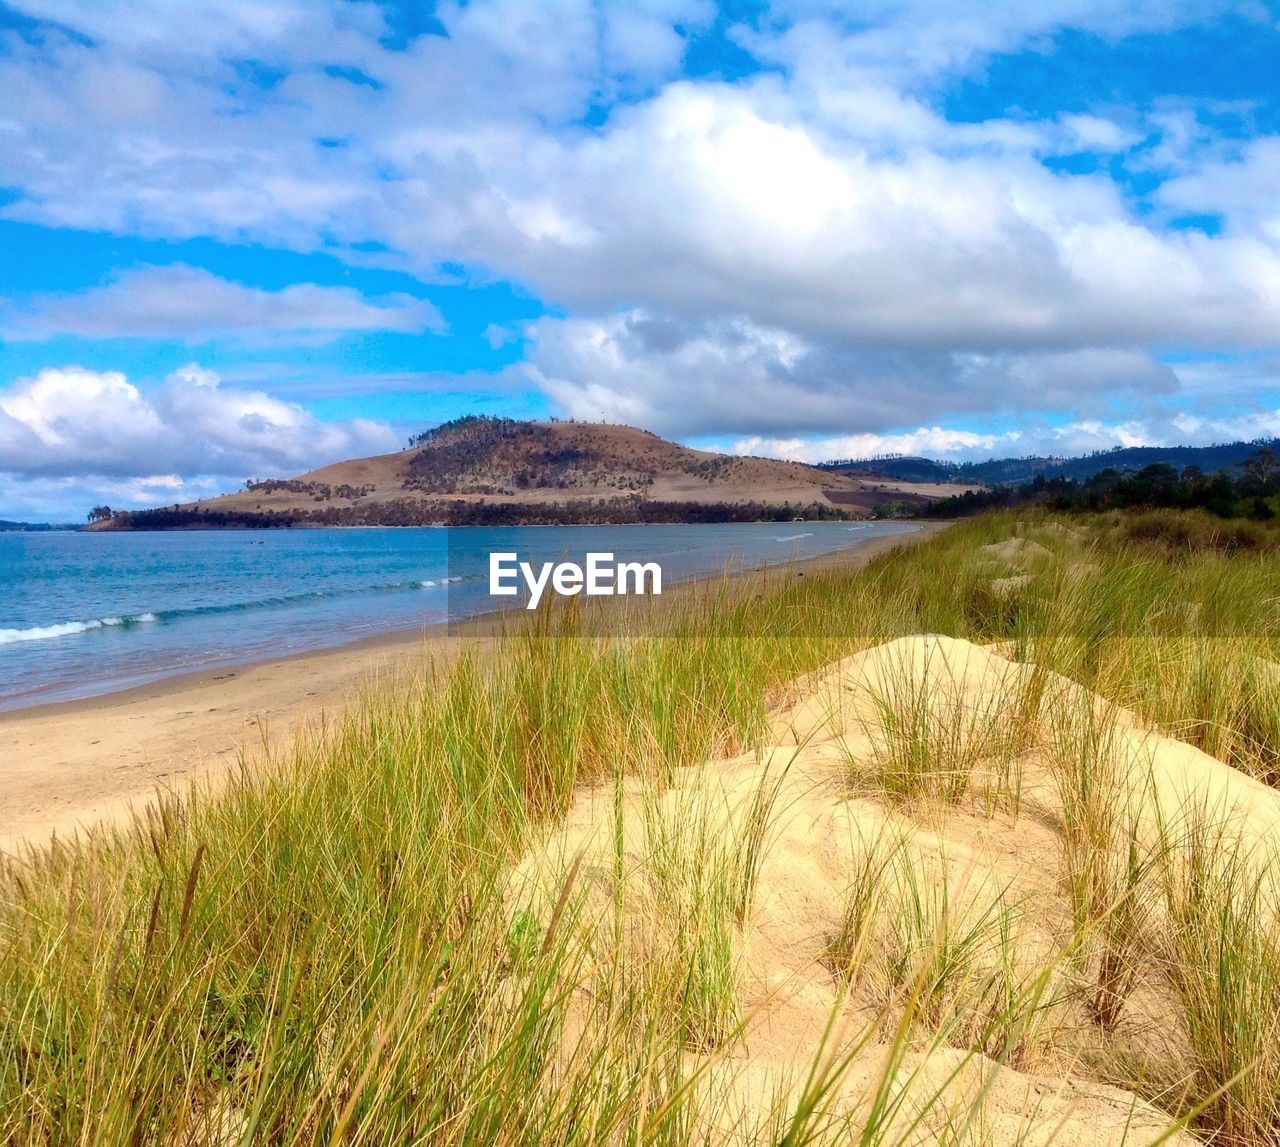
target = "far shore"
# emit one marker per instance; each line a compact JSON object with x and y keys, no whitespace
{"x":72,"y":764}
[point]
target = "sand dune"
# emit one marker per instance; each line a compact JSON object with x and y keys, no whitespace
{"x":990,"y":860}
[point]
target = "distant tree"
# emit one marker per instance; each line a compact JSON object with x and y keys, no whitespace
{"x":1259,"y":511}
{"x":100,"y":513}
{"x":1260,"y":469}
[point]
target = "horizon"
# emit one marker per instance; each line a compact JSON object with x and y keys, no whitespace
{"x":278,"y":233}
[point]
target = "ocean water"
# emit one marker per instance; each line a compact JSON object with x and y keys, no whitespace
{"x":89,"y":613}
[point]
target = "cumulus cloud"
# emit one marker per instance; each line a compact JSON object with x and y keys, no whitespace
{"x":1240,"y":187}
{"x":701,"y":202}
{"x":160,"y":126}
{"x":930,"y":441}
{"x":815,"y":245}
{"x":181,"y":302}
{"x":70,"y":422}
{"x":1096,"y":134}
{"x":914,"y":41}
{"x":68,"y":499}
{"x":682,"y":377}
{"x":240,"y":27}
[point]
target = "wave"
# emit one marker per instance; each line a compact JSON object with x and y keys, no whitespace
{"x":67,"y":628}
{"x":792,"y":537}
{"x":71,"y":628}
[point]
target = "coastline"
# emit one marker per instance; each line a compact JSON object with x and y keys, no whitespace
{"x":72,"y":764}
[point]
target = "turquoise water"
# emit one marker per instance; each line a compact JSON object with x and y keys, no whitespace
{"x":89,"y":613}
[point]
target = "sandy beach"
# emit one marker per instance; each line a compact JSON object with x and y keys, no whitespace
{"x":955,"y":866}
{"x":72,"y":764}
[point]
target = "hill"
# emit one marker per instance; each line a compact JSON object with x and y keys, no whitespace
{"x":480,"y":470}
{"x":1001,"y":471}
{"x":31,"y":527}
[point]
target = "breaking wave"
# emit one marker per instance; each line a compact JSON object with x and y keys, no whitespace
{"x":72,"y":628}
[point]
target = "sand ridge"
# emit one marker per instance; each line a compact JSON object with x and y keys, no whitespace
{"x":993,"y":864}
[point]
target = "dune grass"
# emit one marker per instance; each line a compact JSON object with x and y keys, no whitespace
{"x":1221,"y":951}
{"x":928,"y":739}
{"x":325,"y":950}
{"x":944,"y":952}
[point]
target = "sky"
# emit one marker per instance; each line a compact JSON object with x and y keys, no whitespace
{"x":243,"y":238}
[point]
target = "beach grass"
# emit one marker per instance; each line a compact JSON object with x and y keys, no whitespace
{"x":329,"y":949}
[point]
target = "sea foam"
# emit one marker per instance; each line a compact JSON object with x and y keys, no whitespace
{"x":68,"y":628}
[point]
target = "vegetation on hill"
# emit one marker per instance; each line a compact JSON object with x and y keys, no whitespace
{"x":444,"y":512}
{"x":474,"y":427}
{"x":1015,"y":471}
{"x":1249,"y":490}
{"x":27,"y":527}
{"x":317,"y":491}
{"x":345,"y":944}
{"x":501,"y":456}
{"x":490,"y":456}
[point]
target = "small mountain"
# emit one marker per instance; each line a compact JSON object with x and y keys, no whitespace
{"x":31,"y":527}
{"x":481,"y":470}
{"x":1014,"y":471}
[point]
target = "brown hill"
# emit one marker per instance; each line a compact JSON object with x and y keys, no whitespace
{"x":510,"y":465}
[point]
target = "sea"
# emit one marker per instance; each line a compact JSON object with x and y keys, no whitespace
{"x":83,"y":613}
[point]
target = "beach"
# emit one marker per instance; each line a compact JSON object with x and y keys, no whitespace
{"x":69,"y":765}
{"x":928,"y":853}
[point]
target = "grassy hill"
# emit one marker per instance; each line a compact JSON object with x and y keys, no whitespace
{"x":479,"y":470}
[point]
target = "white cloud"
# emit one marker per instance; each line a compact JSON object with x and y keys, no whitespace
{"x":72,"y":422}
{"x":700,"y":204}
{"x":914,"y":41}
{"x":1096,"y":134}
{"x":831,"y":199}
{"x":727,"y":376}
{"x":161,"y":127}
{"x":242,"y":28}
{"x":69,"y":499}
{"x":498,"y":336}
{"x":962,"y":445}
{"x":1242,"y":188}
{"x":181,"y":302}
{"x":816,"y":246}
{"x":929,"y":441}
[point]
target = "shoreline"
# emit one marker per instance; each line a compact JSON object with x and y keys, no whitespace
{"x":75,"y":763}
{"x":400,"y":635}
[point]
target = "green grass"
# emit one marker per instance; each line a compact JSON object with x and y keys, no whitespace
{"x":947,"y":961}
{"x":325,"y":950}
{"x":1221,"y":952}
{"x":928,"y":739}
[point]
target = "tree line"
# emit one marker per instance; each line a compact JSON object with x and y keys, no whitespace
{"x":1245,"y":491}
{"x":413,"y":512}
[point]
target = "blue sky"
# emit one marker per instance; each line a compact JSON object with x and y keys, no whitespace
{"x":242,"y":239}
